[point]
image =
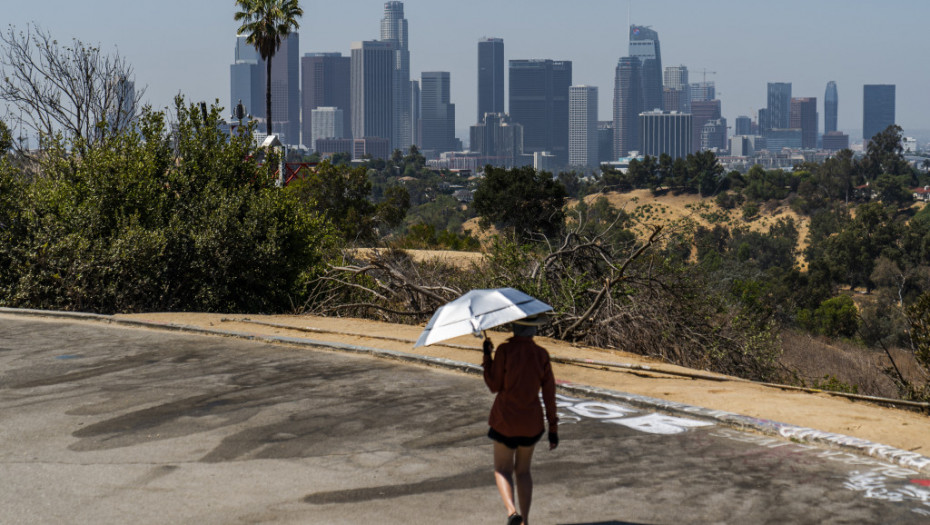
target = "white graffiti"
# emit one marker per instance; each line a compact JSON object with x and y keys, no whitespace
{"x":902,"y":457}
{"x":576,"y":409}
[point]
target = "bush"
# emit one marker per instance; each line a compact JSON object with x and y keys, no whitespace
{"x":157,"y":221}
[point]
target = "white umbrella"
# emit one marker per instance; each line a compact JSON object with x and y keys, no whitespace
{"x":479,"y":310}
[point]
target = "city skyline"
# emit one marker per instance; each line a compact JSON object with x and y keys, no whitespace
{"x":749,"y":47}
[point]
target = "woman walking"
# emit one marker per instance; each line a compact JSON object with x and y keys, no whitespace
{"x":516,"y":373}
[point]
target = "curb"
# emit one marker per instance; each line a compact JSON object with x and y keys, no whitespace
{"x":794,"y":433}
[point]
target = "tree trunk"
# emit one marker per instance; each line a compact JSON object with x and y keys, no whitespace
{"x":268,"y":95}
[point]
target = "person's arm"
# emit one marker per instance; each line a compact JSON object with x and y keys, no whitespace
{"x":493,"y":368}
{"x":552,"y":412}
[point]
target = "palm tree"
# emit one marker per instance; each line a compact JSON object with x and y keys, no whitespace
{"x":266,"y":22}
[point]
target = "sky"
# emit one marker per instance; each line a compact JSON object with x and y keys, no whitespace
{"x":186,"y":46}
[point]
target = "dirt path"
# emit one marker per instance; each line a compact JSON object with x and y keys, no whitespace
{"x":903,"y":429}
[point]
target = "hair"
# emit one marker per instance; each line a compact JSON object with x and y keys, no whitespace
{"x":522,"y":330}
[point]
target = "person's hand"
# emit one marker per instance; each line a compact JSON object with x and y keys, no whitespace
{"x":487,"y":345}
{"x":553,"y":440}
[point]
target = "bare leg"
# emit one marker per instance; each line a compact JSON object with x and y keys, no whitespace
{"x":524,"y":457}
{"x":503,"y":474}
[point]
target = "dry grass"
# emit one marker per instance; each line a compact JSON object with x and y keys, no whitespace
{"x":813,"y":358}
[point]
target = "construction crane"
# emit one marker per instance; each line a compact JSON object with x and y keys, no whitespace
{"x":705,"y":72}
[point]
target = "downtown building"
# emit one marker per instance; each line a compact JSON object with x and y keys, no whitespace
{"x":878,"y":109}
{"x":644,"y":45}
{"x":247,"y":79}
{"x":803,"y":116}
{"x":490,"y":76}
{"x":665,"y":132}
{"x":497,"y":141}
{"x":325,"y":82}
{"x":702,"y":112}
{"x":437,"y":114}
{"x":372,"y":90}
{"x":582,"y":126}
{"x":628,"y":104}
{"x":394,"y":30}
{"x":778,"y":107}
{"x":539,"y":102}
{"x":285,"y":86}
{"x":830,"y":107}
{"x":677,"y":91}
{"x":328,"y":123}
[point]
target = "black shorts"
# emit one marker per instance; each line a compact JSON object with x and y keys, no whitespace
{"x":516,"y":441}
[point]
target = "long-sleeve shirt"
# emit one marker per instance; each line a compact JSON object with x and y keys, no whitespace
{"x":519,"y":369}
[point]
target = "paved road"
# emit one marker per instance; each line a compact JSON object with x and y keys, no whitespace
{"x":100,"y":424}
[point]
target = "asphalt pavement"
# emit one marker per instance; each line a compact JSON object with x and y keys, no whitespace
{"x":107,"y":424}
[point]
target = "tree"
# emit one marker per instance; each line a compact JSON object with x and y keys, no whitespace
{"x":6,"y":138}
{"x":266,"y":22}
{"x":885,"y":154}
{"x":523,"y":200}
{"x":77,"y":90}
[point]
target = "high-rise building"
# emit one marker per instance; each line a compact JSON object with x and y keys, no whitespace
{"x":878,"y":111}
{"x":835,"y":141}
{"x":437,"y":114}
{"x":703,"y":91}
{"x":539,"y":102}
{"x":779,"y":105}
{"x":394,"y":30}
{"x":327,"y":124}
{"x":285,"y":90}
{"x":830,"y":105}
{"x":497,"y":140}
{"x":325,"y":82}
{"x":665,"y":132}
{"x":628,"y":104}
{"x":702,"y":112}
{"x":804,"y":117}
{"x":582,"y":126}
{"x":743,"y":125}
{"x":121,"y":110}
{"x":676,"y":77}
{"x":372,"y":81}
{"x":605,"y":141}
{"x":714,"y":135}
{"x":247,"y":79}
{"x":415,"y":108}
{"x":672,"y":100}
{"x":490,"y":76}
{"x":644,"y":45}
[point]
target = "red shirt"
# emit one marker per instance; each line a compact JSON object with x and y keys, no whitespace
{"x":519,"y":369}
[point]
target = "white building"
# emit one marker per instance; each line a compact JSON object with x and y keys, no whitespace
{"x":582,"y":126}
{"x":327,"y":124}
{"x":909,"y":144}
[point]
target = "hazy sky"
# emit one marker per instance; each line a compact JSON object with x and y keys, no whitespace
{"x":187,"y":45}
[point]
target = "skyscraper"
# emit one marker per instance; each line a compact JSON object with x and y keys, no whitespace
{"x":490,"y":76}
{"x":804,"y":117}
{"x":779,"y":105}
{"x":327,"y":124}
{"x":539,"y":102}
{"x":437,"y":114}
{"x":582,"y":126}
{"x":830,"y":105}
{"x":703,"y":91}
{"x":285,"y":90}
{"x":644,"y":45}
{"x":247,"y":79}
{"x":372,"y":80}
{"x":676,"y":77}
{"x":878,"y":111}
{"x":743,"y":125}
{"x":704,"y":111}
{"x":628,"y":104}
{"x":394,"y":30}
{"x":415,"y":108}
{"x":498,"y":140}
{"x":325,"y":82}
{"x":666,"y":132}
{"x":677,"y":89}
